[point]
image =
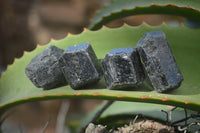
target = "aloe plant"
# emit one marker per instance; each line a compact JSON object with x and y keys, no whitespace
{"x":15,"y":88}
{"x":121,"y":8}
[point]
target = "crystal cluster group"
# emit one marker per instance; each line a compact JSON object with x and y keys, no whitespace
{"x":78,"y":66}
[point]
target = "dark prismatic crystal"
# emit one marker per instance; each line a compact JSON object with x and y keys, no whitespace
{"x":159,"y":61}
{"x":80,"y":66}
{"x":122,"y":68}
{"x":44,"y":70}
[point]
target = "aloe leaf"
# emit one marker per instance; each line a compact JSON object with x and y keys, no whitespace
{"x":122,"y":8}
{"x":16,"y":88}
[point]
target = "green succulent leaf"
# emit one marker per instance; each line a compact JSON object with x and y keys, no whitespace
{"x":122,"y":8}
{"x":16,"y":88}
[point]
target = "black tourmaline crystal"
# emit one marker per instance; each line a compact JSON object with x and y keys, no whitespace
{"x":44,"y":70}
{"x":159,"y":61}
{"x":122,"y":68}
{"x":80,"y":66}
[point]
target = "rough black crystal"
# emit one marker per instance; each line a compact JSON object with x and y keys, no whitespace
{"x":80,"y":66}
{"x":122,"y":68}
{"x":159,"y":61}
{"x":44,"y":70}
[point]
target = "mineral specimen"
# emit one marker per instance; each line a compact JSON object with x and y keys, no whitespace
{"x":44,"y":70}
{"x":122,"y":68}
{"x":80,"y":66}
{"x":159,"y":61}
